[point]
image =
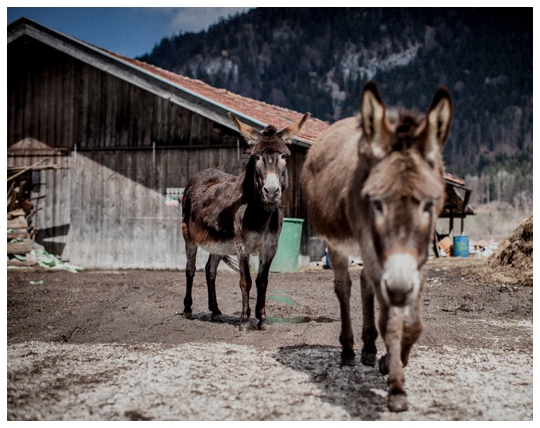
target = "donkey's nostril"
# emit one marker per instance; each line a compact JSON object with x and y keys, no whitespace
{"x":271,"y":192}
{"x":397,"y":298}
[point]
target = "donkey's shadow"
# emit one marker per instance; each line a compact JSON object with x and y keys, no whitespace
{"x":225,"y":319}
{"x":360,"y":390}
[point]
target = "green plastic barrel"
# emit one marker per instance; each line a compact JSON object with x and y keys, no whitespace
{"x":286,"y":259}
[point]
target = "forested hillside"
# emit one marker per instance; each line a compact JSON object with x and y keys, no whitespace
{"x":317,"y":59}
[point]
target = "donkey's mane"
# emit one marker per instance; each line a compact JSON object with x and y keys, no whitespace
{"x":269,"y":131}
{"x":269,"y":143}
{"x":406,"y":123}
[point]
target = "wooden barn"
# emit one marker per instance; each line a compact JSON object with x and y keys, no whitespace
{"x":124,"y":138}
{"x":128,"y":136}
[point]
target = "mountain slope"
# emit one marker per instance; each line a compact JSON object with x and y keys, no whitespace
{"x":317,"y":59}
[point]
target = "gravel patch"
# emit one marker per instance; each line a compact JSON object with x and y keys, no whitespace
{"x":220,"y":381}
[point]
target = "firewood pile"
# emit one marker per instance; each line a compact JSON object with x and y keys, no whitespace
{"x":22,"y":250}
{"x":20,"y":228}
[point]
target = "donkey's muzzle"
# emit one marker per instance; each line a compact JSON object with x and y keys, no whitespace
{"x":271,"y":191}
{"x":400,"y":281}
{"x":271,"y":195}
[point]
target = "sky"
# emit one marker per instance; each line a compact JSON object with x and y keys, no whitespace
{"x":130,"y":31}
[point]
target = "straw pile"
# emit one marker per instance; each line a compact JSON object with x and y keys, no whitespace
{"x":512,"y":263}
{"x":517,"y":249}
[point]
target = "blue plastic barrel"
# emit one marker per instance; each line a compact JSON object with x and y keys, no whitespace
{"x":461,"y":246}
{"x":328,"y":260}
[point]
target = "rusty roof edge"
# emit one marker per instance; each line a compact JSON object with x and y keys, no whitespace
{"x":237,"y":113}
{"x":19,"y":28}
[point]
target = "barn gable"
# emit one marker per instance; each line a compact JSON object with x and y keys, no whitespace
{"x":191,"y":94}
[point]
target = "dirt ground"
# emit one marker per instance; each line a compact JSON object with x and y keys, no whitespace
{"x":111,"y":345}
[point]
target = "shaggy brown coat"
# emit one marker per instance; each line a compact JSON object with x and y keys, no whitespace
{"x":238,"y":215}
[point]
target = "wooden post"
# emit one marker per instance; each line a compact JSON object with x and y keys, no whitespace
{"x":464,"y":207}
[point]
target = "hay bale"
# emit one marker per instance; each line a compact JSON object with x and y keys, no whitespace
{"x":516,"y":250}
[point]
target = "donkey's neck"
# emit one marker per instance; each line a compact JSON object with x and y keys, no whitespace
{"x":248,"y":190}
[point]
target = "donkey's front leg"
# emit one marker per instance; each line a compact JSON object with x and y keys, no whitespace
{"x":342,"y":287}
{"x":245,"y":287}
{"x":391,"y":327}
{"x":262,"y":284}
{"x":412,"y":328}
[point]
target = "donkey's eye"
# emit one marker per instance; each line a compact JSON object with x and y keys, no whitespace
{"x":428,"y":205}
{"x":377,"y":205}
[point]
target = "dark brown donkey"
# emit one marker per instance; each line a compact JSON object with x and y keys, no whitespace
{"x":227,"y":215}
{"x":374,"y":188}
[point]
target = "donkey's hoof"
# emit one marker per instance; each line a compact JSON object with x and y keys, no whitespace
{"x":245,"y":326}
{"x":347,"y":362}
{"x":368,"y":359}
{"x":397,"y":402}
{"x":383,"y":365}
{"x":216,"y":317}
{"x":263,"y":325}
{"x":187,"y":315}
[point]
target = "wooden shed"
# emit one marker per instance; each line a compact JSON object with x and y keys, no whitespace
{"x":129,"y":136}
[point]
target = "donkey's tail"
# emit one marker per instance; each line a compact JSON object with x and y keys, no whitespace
{"x":232,"y":263}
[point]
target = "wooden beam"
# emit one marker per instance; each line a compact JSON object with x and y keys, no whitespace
{"x":22,"y":235}
{"x":37,"y":168}
{"x":26,"y":169}
{"x":16,"y":213}
{"x":20,"y":263}
{"x":19,"y":247}
{"x":17,"y":223}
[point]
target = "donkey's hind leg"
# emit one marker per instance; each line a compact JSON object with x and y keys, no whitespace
{"x":191,"y":254}
{"x":369,"y":329}
{"x":342,"y":287}
{"x":211,"y":273}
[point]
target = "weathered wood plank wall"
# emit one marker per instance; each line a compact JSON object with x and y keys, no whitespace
{"x":61,"y":102}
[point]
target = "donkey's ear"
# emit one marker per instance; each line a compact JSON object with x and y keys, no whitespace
{"x":438,"y":121}
{"x":288,"y":133}
{"x":374,"y":124}
{"x":250,"y":134}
